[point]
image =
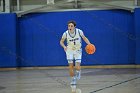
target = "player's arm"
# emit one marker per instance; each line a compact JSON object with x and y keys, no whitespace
{"x":85,"y":39}
{"x":62,"y":43}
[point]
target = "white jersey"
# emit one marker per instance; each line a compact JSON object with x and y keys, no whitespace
{"x":73,"y":40}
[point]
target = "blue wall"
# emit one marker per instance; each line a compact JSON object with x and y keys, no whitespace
{"x":38,"y":35}
{"x":7,"y":40}
{"x":137,"y":30}
{"x":108,"y":30}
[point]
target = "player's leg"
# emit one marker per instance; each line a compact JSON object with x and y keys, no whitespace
{"x":71,"y":72}
{"x":71,"y":69}
{"x":78,"y":70}
{"x":78,"y":56}
{"x":71,"y":66}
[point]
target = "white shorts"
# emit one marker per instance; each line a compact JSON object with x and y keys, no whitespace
{"x":74,"y":55}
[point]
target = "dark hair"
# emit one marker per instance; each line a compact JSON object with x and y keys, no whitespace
{"x":73,"y":22}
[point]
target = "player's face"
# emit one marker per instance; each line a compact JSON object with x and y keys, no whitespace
{"x":71,"y":27}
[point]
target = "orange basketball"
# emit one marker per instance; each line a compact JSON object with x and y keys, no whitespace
{"x":90,"y":48}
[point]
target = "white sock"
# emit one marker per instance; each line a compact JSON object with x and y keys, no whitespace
{"x":72,"y":77}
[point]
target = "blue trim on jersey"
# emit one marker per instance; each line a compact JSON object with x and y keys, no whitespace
{"x":79,"y":33}
{"x":80,"y":36}
{"x":74,"y":34}
{"x":70,"y":59}
{"x":66,"y":34}
{"x":77,"y":59}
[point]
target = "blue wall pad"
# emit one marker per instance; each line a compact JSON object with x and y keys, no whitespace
{"x":109,"y":30}
{"x":137,"y":30}
{"x":7,"y":40}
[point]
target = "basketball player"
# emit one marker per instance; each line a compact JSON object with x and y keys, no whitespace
{"x":73,"y":49}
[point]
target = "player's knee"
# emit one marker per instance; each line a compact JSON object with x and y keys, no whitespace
{"x":78,"y":67}
{"x":71,"y":67}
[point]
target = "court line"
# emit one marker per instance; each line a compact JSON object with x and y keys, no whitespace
{"x":115,"y":85}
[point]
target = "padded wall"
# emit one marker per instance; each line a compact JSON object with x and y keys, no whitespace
{"x":137,"y":30}
{"x":109,"y":30}
{"x":8,"y":40}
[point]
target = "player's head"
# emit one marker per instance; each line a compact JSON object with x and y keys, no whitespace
{"x":71,"y":25}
